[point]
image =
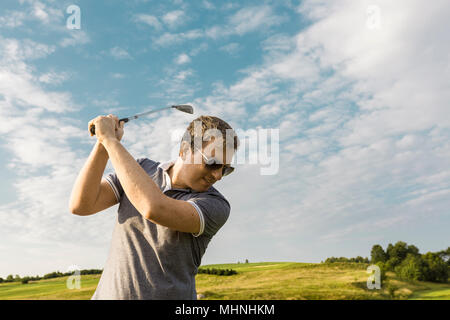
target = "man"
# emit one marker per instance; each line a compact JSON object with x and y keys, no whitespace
{"x":168,"y":212}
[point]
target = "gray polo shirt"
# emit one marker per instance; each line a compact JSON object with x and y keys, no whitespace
{"x":150,"y":261}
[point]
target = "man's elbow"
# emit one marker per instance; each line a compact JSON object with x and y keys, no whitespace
{"x":77,"y":210}
{"x":152,"y":211}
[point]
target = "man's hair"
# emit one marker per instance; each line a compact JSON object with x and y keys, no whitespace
{"x":208,"y":123}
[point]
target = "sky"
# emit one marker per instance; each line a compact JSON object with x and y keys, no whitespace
{"x":358,"y":92}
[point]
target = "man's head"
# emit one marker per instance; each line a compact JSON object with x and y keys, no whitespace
{"x":206,"y":151}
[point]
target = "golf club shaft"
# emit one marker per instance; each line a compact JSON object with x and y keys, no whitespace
{"x":125,"y":120}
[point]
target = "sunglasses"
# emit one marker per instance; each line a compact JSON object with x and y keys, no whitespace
{"x":213,"y":164}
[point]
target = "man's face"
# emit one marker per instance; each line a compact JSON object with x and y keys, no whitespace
{"x":199,"y":176}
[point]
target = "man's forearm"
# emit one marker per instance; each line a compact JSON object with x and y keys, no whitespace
{"x":140,"y":189}
{"x":87,"y":185}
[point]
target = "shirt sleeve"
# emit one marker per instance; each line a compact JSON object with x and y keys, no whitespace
{"x":213,"y":212}
{"x":115,"y":183}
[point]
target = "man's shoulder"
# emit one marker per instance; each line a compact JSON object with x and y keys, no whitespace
{"x":148,"y":164}
{"x":212,"y":193}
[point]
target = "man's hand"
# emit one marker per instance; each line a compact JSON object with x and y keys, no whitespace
{"x":107,"y":127}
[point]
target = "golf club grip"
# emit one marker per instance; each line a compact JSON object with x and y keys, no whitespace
{"x":92,"y":128}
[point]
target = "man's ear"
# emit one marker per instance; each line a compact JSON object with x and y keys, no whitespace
{"x":184,"y":150}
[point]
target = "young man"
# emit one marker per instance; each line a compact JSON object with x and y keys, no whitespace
{"x":168,"y":212}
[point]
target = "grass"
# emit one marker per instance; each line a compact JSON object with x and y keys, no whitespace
{"x":266,"y":280}
{"x":52,"y":289}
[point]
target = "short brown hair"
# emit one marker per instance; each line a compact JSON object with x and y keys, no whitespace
{"x":209,"y":122}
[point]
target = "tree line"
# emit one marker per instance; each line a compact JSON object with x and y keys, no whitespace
{"x":50,"y":275}
{"x":218,"y":272}
{"x":406,"y":262}
{"x":358,"y":259}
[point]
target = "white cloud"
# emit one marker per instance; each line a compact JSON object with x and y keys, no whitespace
{"x":149,"y":20}
{"x":251,"y":19}
{"x":14,"y":50}
{"x":40,"y":11}
{"x":17,"y":83}
{"x":119,"y":53}
{"x":174,"y":18}
{"x":208,"y":5}
{"x":118,"y":75}
{"x":232,"y":48}
{"x":182,"y":59}
{"x":198,"y":48}
{"x":53,"y":78}
{"x":246,"y":20}
{"x":167,"y":39}
{"x":12,"y":19}
{"x":76,"y":38}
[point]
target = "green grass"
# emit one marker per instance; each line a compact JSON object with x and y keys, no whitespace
{"x":433,"y":294}
{"x":266,"y":280}
{"x":52,"y":289}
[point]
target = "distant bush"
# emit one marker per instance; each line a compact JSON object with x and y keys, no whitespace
{"x":51,"y":275}
{"x":358,"y":259}
{"x":219,"y":272}
{"x":90,"y":271}
{"x":25,"y":280}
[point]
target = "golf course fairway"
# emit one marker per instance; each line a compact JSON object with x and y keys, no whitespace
{"x":265,"y":280}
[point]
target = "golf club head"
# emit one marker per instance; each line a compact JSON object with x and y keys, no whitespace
{"x":185,"y":108}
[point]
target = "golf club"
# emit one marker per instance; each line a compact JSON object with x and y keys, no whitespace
{"x":182,"y":107}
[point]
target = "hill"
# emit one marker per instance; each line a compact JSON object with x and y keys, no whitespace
{"x":266,"y":280}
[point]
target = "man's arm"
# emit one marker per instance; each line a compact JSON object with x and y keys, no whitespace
{"x":145,"y":195}
{"x":90,"y":194}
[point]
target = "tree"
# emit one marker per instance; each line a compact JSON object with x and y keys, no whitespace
{"x":436,"y":269}
{"x":382,"y":267}
{"x":400,"y":250}
{"x":389,"y":249}
{"x":10,"y":278}
{"x":411,"y":268}
{"x":377,"y":254}
{"x":412,"y":249}
{"x":246,"y":260}
{"x":445,"y":255}
{"x":397,"y":254}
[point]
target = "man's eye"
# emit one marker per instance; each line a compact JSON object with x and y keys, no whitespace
{"x":215,"y":166}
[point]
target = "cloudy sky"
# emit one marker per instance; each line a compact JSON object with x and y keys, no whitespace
{"x":359,"y":91}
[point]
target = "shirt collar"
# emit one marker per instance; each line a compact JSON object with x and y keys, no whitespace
{"x":168,"y":182}
{"x":166,"y":166}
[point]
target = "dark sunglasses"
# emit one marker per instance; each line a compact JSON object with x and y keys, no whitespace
{"x":213,"y":164}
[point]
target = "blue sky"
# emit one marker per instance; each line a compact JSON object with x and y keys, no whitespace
{"x":359,"y":92}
